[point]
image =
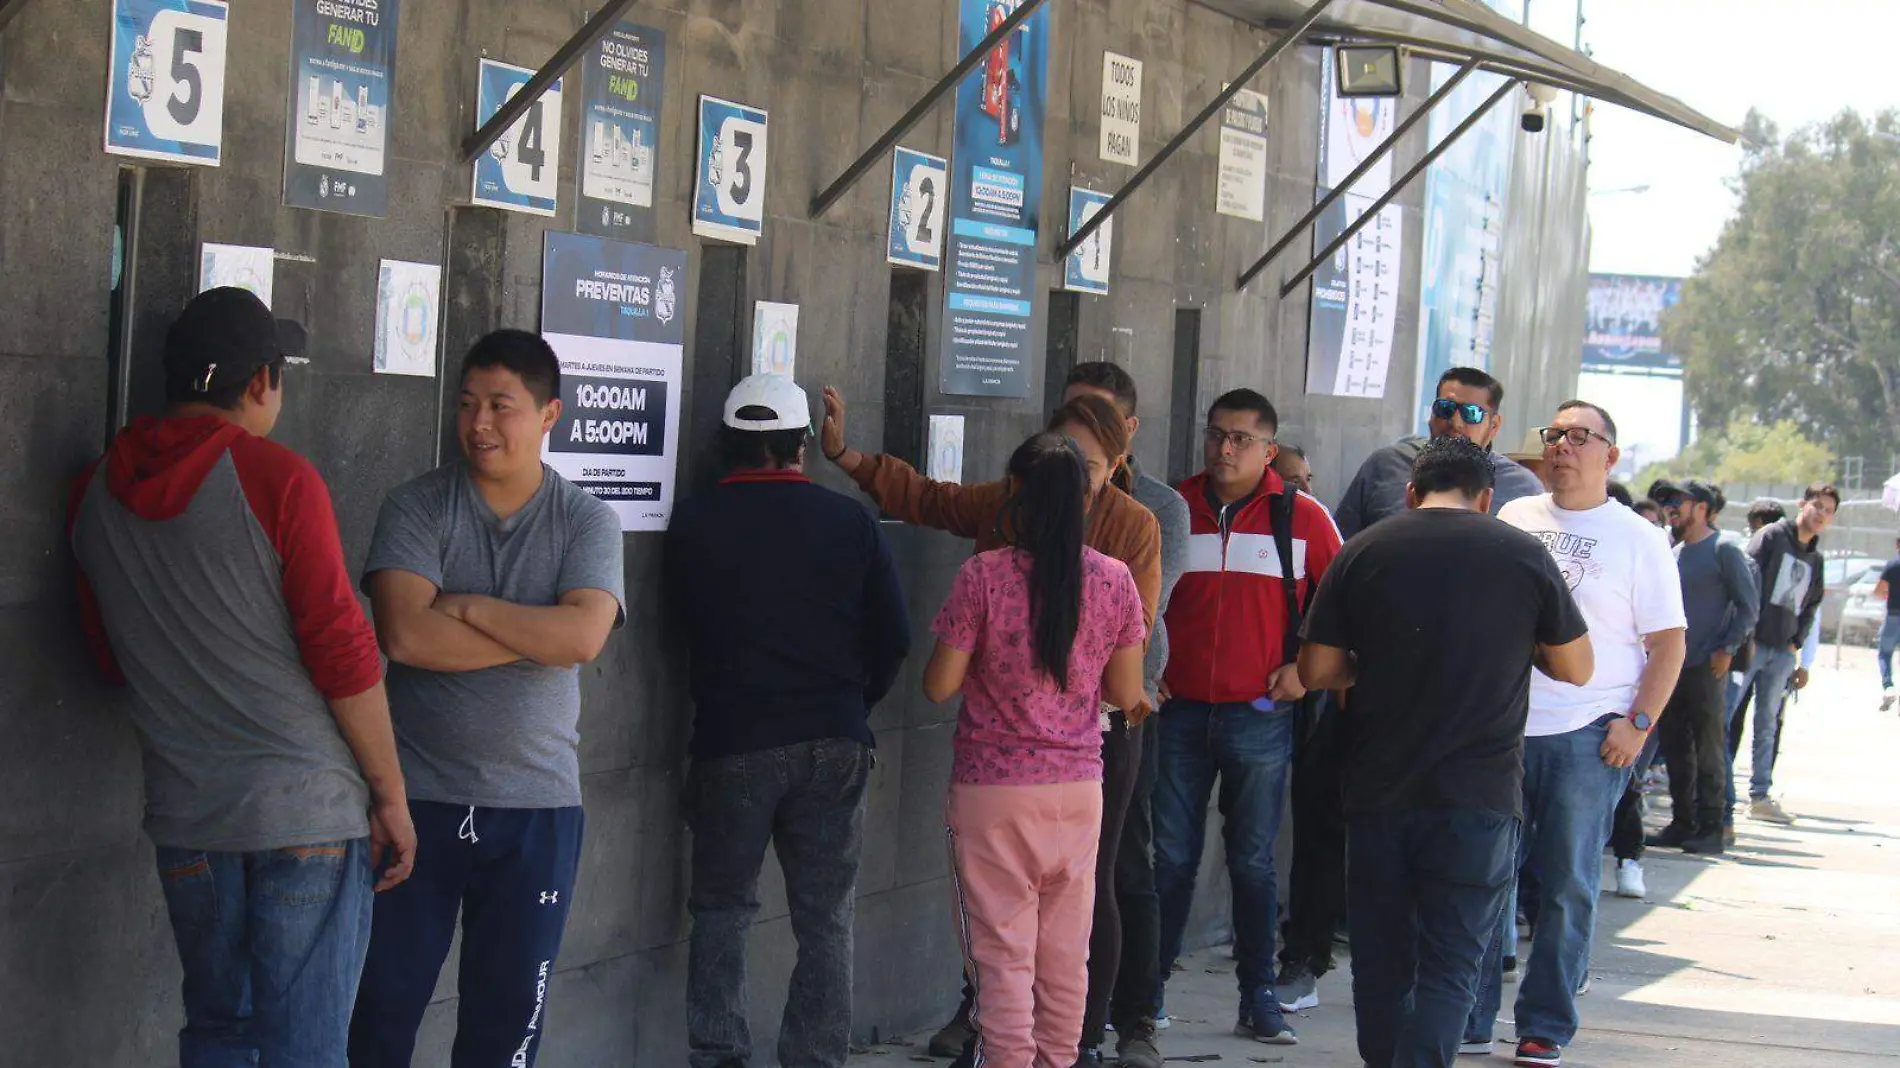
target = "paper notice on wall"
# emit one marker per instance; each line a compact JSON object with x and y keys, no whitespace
{"x":774,"y":338}
{"x":243,"y":266}
{"x":1087,"y":268}
{"x":342,"y":68}
{"x":946,"y":449}
{"x":1121,"y":109}
{"x":408,"y":302}
{"x":1243,"y":157}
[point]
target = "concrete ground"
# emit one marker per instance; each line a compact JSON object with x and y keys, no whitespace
{"x":1785,"y":952}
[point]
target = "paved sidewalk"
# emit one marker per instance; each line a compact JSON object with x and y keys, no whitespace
{"x":1786,"y":952}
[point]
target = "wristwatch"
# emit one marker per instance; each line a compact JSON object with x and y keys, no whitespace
{"x":1642,"y":720}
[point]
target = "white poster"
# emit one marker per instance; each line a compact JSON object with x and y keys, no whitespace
{"x":1243,"y":157}
{"x":946,"y":449}
{"x":408,"y":300}
{"x":1121,"y":109}
{"x":1355,"y":126}
{"x":774,"y":338}
{"x":243,"y":266}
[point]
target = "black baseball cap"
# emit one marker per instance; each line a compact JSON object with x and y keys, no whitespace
{"x":1693,"y":488}
{"x":223,"y":336}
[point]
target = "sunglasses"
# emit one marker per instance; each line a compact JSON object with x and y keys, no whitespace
{"x":1578,"y":436}
{"x":1473,"y":414}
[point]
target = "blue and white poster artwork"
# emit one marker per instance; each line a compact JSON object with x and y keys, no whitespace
{"x":342,"y":73}
{"x":919,"y":190}
{"x":165,"y":80}
{"x":1086,"y":270}
{"x":729,"y":180}
{"x":521,"y":170}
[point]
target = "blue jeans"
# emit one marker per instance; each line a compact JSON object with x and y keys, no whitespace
{"x":272,"y":945}
{"x":1424,"y":890}
{"x":1570,"y":797}
{"x":1769,"y":671}
{"x":1889,"y":640}
{"x":1251,"y":753}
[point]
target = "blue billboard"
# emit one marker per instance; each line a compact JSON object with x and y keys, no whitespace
{"x":1623,"y":326}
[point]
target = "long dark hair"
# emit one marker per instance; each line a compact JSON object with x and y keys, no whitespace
{"x":1045,"y":518}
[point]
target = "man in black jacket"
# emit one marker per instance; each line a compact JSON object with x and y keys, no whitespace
{"x":796,"y":627}
{"x":1788,"y":556}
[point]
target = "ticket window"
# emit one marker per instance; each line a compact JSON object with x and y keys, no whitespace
{"x":1184,"y":414}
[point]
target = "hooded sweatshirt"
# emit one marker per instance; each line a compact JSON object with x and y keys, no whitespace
{"x":212,"y":583}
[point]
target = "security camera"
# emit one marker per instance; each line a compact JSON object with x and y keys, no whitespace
{"x":1537,"y":106}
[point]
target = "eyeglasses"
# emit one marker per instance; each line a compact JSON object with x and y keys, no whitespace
{"x":1241,"y":442}
{"x":1445,"y":408}
{"x":1578,"y":436}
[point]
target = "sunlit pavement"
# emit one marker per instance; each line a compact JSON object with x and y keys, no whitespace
{"x":1784,"y":952}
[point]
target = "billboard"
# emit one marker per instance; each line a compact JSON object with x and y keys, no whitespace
{"x":1623,"y":324}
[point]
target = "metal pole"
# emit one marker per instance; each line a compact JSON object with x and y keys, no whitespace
{"x":1359,"y":172}
{"x":1291,"y":38}
{"x":837,"y":189}
{"x":1399,"y":186}
{"x":516,"y":106}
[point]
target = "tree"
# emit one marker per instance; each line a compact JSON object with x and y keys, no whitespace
{"x":1747,"y":451}
{"x":1795,"y":314}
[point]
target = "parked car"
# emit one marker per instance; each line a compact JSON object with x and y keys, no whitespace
{"x":1843,"y":574}
{"x":1861,"y":612}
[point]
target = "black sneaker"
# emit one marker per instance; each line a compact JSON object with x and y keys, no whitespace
{"x":1136,"y":1045}
{"x":1711,"y":842}
{"x":1538,"y":1053}
{"x":1672,"y":836}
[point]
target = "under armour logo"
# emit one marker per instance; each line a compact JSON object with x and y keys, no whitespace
{"x":550,"y":897}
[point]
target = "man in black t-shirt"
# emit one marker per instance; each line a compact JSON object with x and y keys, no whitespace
{"x":1888,"y":590}
{"x":1435,"y":618}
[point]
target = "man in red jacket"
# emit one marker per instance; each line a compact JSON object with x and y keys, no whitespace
{"x":1256,"y":550}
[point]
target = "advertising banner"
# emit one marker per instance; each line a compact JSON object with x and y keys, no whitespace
{"x":521,"y":170}
{"x":342,"y":70}
{"x":1086,"y":270}
{"x":1243,"y":157}
{"x":611,"y":311}
{"x":623,"y":87}
{"x":995,"y":203}
{"x":408,"y":306}
{"x":1121,"y":109}
{"x":165,"y":80}
{"x":729,"y":181}
{"x":1623,"y":327}
{"x":918,"y":191}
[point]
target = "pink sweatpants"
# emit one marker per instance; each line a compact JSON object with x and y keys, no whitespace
{"x":1023,"y":864}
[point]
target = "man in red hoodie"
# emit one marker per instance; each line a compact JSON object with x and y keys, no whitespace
{"x":1256,"y":550}
{"x":211,"y":582}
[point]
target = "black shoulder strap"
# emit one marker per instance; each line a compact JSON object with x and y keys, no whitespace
{"x":1281,"y":513}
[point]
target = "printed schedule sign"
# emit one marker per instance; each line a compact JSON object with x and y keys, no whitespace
{"x":342,"y":69}
{"x":165,"y":80}
{"x":1086,"y":270}
{"x":519,"y":171}
{"x":995,"y":203}
{"x":1243,"y":157}
{"x":622,"y":90}
{"x":919,"y":186}
{"x":611,"y":311}
{"x":729,"y":181}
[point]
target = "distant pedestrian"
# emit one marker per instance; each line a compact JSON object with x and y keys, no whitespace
{"x":1650,"y":511}
{"x":1888,"y":590}
{"x":1293,"y":466}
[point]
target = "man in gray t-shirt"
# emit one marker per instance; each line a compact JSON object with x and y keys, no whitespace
{"x":492,"y":579}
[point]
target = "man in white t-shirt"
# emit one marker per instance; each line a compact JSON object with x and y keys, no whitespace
{"x":1581,"y":740}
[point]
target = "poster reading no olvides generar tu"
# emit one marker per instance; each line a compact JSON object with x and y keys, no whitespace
{"x":622,"y":92}
{"x":995,"y":201}
{"x":336,"y":142}
{"x":612,"y":312}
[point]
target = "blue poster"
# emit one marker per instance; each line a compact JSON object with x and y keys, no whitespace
{"x":1086,"y":270}
{"x":729,"y":181}
{"x":995,"y":202}
{"x":165,"y":80}
{"x":520,"y":171}
{"x":1623,"y":325}
{"x":919,"y":187}
{"x":622,"y":90}
{"x":342,"y":73}
{"x":611,"y":311}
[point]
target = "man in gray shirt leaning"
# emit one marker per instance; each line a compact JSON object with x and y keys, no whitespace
{"x":492,"y":579}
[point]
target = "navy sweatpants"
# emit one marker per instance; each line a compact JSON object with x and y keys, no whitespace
{"x":509,"y":873}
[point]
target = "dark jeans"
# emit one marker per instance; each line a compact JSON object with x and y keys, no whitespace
{"x":1694,"y":742}
{"x":1426,"y":887}
{"x":1317,"y":886}
{"x":272,"y":945}
{"x":1139,"y":976}
{"x":1250,"y":752}
{"x":807,"y":800}
{"x":1121,"y":764}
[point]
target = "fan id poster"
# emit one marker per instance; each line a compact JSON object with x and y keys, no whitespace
{"x":337,"y":137}
{"x":623,"y":92}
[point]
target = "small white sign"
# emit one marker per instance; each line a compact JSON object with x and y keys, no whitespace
{"x":1121,"y":109}
{"x":408,"y":300}
{"x":774,"y":338}
{"x":243,"y":266}
{"x":1243,"y":157}
{"x":946,"y":449}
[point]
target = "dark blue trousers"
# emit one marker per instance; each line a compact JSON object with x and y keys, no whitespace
{"x":509,"y":874}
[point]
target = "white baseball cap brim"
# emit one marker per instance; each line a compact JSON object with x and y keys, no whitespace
{"x":778,"y":394}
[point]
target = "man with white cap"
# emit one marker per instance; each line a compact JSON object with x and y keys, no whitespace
{"x":795,"y":626}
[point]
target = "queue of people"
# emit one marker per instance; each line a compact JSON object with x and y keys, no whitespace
{"x":1455,"y":681}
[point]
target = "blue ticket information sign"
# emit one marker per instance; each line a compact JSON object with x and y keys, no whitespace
{"x":1086,"y":270}
{"x":342,"y":70}
{"x":519,"y":171}
{"x":729,"y":180}
{"x":623,"y":88}
{"x":919,"y":189}
{"x":165,"y":80}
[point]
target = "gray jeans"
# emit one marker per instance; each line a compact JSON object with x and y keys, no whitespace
{"x":807,"y":800}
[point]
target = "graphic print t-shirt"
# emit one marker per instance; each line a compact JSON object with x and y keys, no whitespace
{"x":1017,"y":727}
{"x":1623,"y":575}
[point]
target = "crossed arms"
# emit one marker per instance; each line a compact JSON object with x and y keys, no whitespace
{"x":422,"y":627}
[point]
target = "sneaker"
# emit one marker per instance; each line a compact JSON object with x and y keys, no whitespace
{"x":1886,"y":698}
{"x":1769,"y":810}
{"x":1537,"y":1053}
{"x":950,"y":1041}
{"x":1671,"y":837}
{"x":1584,"y":987}
{"x":1629,"y":880}
{"x":1163,"y":1022}
{"x":1262,"y":1021}
{"x":1477,"y":1048}
{"x":1135,"y":1045}
{"x":1728,"y":835}
{"x":1510,"y":969}
{"x":1712,"y":843}
{"x":1298,"y":988}
{"x":1089,"y":1058}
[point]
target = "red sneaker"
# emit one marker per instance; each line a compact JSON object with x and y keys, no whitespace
{"x":1537,"y":1053}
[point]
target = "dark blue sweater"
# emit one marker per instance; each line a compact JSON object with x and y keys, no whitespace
{"x":792,"y":610}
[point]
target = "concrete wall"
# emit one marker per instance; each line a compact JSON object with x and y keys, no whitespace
{"x":87,"y":970}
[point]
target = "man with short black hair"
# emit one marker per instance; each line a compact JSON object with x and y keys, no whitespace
{"x":1292,"y":464}
{"x":1434,"y":758}
{"x":493,"y":579}
{"x":795,"y":628}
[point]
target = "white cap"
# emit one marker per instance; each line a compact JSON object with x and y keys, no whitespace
{"x":778,"y":394}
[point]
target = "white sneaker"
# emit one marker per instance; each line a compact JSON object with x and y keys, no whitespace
{"x":1629,"y":880}
{"x":1768,"y":810}
{"x":1886,"y":698}
{"x":1477,"y":1049}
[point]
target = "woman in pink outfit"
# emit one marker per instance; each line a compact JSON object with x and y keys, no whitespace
{"x":1036,"y":637}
